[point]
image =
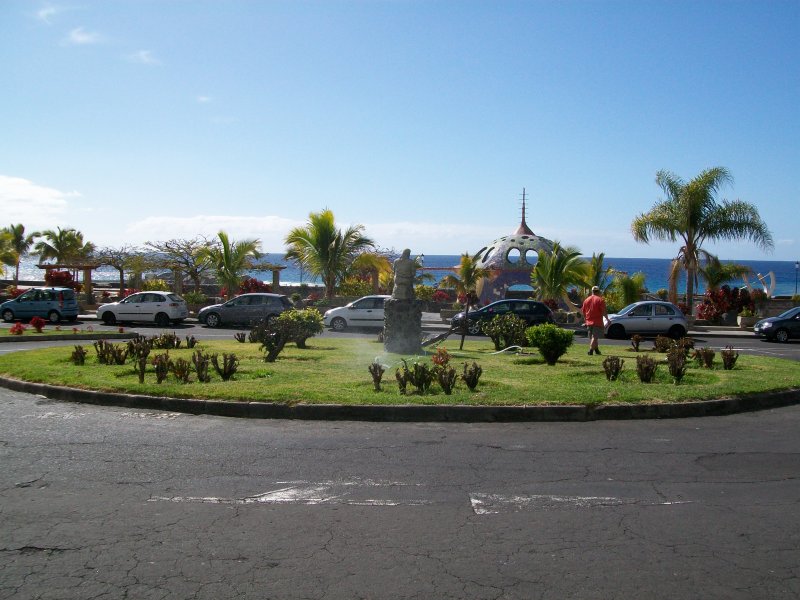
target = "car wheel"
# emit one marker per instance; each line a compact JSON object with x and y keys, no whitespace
{"x":474,"y":327}
{"x":212,"y":320}
{"x":53,"y":316}
{"x":676,"y":332}
{"x":339,"y":324}
{"x":109,"y":318}
{"x":8,"y":315}
{"x":782,"y":335}
{"x":162,"y":320}
{"x":616,"y":332}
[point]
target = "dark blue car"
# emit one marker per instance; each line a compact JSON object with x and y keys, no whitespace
{"x":781,"y":328}
{"x":531,"y":311}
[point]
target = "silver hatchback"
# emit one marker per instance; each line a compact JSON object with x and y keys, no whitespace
{"x":649,"y":318}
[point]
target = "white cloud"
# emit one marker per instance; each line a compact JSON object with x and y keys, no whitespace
{"x":80,"y":37}
{"x":33,"y":205}
{"x":269,"y":229}
{"x":47,"y":12}
{"x":204,"y":99}
{"x":144,"y":57}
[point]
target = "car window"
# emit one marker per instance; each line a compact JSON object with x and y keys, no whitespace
{"x":664,"y":310}
{"x":153,"y":298}
{"x":26,"y":297}
{"x":175,"y":298}
{"x":133,"y":299}
{"x":645,"y":310}
{"x":522,"y":307}
{"x":379,"y":302}
{"x":366,"y":303}
{"x":503,"y":307}
{"x":285,"y":302}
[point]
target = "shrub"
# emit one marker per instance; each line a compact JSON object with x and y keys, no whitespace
{"x":401,"y":374}
{"x":441,"y":357}
{"x":551,"y":341}
{"x":155,"y":285}
{"x":355,"y":286}
{"x":110,"y":354}
{"x":251,"y":284}
{"x":424,"y":292}
{"x":229,"y":365}
{"x":59,"y":279}
{"x":645,"y":368}
{"x":729,"y":357}
{"x":140,"y":347}
{"x":662,"y":343}
{"x":38,"y":324}
{"x":13,"y":291}
{"x":191,"y":341}
{"x":612,"y":365}
{"x":78,"y":355}
{"x":705,"y":357}
{"x":442,"y":297}
{"x":300,"y":324}
{"x":161,"y":363}
{"x":182,"y":368}
{"x":377,"y":370}
{"x":505,"y":330}
{"x":676,"y":362}
{"x":17,"y":329}
{"x":636,"y":339}
{"x":421,"y":376}
{"x":240,"y":337}
{"x":201,"y":361}
{"x":662,"y":294}
{"x":195,"y":298}
{"x":166,"y":341}
{"x":446,"y":376}
{"x":471,"y":375}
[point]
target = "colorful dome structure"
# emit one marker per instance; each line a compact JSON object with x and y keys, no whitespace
{"x":510,"y":260}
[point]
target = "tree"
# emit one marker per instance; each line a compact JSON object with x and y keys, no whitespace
{"x":325,"y":250}
{"x":692,"y":214}
{"x":185,"y":256}
{"x":465,"y":281}
{"x":231,"y":259}
{"x":716,"y":273}
{"x":597,"y":274}
{"x":20,"y":243}
{"x":556,"y":271}
{"x":119,"y":258}
{"x":63,"y":245}
{"x":8,"y":256}
{"x":372,"y":265}
{"x":629,"y":288}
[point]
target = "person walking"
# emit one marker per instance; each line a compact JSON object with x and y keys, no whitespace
{"x":594,"y":310}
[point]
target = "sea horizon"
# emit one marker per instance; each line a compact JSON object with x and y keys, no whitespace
{"x":655,"y":270}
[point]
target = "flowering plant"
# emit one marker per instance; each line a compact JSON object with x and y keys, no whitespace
{"x":441,"y":358}
{"x":17,"y":329}
{"x":441,"y":296}
{"x":38,"y":324}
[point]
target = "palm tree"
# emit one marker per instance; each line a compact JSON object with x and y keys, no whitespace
{"x":629,"y":288}
{"x":324,"y":249}
{"x":20,"y":245}
{"x":597,"y":274}
{"x":716,"y":273}
{"x":692,"y":214}
{"x":8,"y":256}
{"x":374,"y":265}
{"x":465,"y":281}
{"x":231,"y":259}
{"x":63,"y":245}
{"x":556,"y":271}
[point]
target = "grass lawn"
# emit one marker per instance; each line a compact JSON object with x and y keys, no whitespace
{"x":335,"y":371}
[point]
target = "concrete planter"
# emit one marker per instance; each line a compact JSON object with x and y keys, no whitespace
{"x":746,"y":322}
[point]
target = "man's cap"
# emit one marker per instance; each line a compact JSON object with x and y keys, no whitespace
{"x":595,"y":288}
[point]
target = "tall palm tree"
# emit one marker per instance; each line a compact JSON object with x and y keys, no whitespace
{"x":231,"y":259}
{"x":692,"y":214}
{"x":556,"y":271}
{"x":324,"y":249}
{"x":63,"y":245}
{"x":465,"y":281}
{"x":20,"y":245}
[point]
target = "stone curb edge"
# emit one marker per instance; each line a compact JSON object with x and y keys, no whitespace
{"x":412,"y":413}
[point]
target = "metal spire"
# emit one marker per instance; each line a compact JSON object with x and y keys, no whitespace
{"x":523,"y":228}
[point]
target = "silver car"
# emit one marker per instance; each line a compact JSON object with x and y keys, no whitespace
{"x":364,"y":312}
{"x":245,"y":309}
{"x":649,"y":318}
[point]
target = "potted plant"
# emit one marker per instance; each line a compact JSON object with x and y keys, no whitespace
{"x":746,"y":319}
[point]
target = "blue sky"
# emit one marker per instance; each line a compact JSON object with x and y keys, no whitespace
{"x":137,"y":120}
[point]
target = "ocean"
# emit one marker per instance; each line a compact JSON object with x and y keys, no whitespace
{"x":656,"y":271}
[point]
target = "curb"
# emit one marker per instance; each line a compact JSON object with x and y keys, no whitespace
{"x":68,"y":336}
{"x":413,"y":413}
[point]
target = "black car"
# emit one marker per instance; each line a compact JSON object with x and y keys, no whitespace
{"x":786,"y":325}
{"x":533,"y":312}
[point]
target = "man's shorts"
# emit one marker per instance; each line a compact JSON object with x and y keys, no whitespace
{"x":595,"y":331}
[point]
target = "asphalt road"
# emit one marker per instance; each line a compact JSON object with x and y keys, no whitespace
{"x":103,"y":502}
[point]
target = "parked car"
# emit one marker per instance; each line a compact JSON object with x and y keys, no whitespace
{"x":161,"y":308}
{"x":364,"y":312}
{"x":532,"y":311}
{"x":649,"y":318}
{"x":53,"y":304}
{"x":245,"y":309}
{"x":786,"y":325}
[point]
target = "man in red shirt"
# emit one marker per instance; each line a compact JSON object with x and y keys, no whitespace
{"x":594,"y":309}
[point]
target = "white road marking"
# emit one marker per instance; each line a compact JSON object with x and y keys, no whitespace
{"x":493,"y":504}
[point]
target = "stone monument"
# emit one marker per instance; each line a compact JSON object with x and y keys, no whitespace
{"x":402,"y":325}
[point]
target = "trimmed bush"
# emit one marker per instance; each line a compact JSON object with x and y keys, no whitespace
{"x":551,"y":341}
{"x":505,"y":330}
{"x":676,"y":362}
{"x":645,"y":368}
{"x":612,"y":365}
{"x":729,"y":357}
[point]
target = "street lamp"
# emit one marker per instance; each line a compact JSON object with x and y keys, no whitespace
{"x":796,"y":269}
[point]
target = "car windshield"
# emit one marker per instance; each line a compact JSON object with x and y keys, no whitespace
{"x":789,"y":313}
{"x":627,"y":309}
